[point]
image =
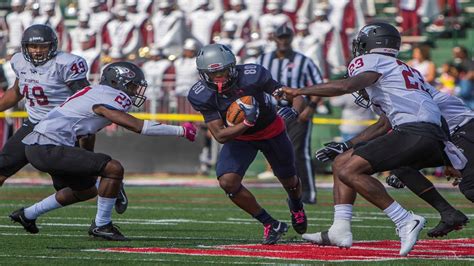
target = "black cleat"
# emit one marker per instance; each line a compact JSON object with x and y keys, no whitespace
{"x":273,"y":232}
{"x":107,"y":232}
{"x":18,"y":216}
{"x":121,"y":203}
{"x":299,"y":221}
{"x":449,"y":222}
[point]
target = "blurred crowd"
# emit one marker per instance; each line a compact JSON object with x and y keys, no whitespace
{"x":163,"y":36}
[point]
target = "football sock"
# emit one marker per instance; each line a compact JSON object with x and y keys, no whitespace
{"x":295,"y":204}
{"x":397,"y":214}
{"x":104,"y":210}
{"x":342,"y":218}
{"x":421,"y":186}
{"x":47,"y":204}
{"x":264,"y":217}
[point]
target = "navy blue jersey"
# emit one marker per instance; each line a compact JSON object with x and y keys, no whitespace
{"x":252,"y":80}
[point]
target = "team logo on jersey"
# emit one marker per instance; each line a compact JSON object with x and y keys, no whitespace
{"x":125,"y":72}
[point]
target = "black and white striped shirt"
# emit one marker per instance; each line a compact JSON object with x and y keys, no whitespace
{"x":297,"y":71}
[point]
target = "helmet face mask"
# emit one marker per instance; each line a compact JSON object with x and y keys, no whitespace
{"x":216,"y":66}
{"x":362,"y":99}
{"x":39,"y":44}
{"x":126,"y":77}
{"x":377,"y":37}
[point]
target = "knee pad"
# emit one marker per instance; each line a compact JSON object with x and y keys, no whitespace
{"x":234,"y":193}
{"x":295,"y":187}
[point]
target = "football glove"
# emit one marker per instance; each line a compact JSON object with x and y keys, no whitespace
{"x":189,"y":131}
{"x":393,"y":181}
{"x":251,"y":113}
{"x":287,"y":113}
{"x":331,"y":150}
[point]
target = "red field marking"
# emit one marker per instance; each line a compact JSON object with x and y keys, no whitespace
{"x":361,"y":251}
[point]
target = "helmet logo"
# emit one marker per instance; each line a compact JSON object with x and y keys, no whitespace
{"x":36,"y":39}
{"x":215,"y":66}
{"x":368,"y":29}
{"x":125,"y":72}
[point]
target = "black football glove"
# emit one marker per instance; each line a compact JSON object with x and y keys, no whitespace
{"x":393,"y":181}
{"x":331,"y":150}
{"x":287,"y":113}
{"x":251,"y":112}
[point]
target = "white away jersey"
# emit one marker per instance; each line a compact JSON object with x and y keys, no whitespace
{"x":75,"y":116}
{"x":44,"y":87}
{"x":400,"y":92}
{"x":453,"y":109}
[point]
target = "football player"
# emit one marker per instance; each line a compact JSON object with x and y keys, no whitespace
{"x":45,"y":77}
{"x":50,"y":146}
{"x":402,"y":96}
{"x":223,"y":82}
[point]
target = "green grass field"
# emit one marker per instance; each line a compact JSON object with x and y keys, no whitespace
{"x":188,"y":217}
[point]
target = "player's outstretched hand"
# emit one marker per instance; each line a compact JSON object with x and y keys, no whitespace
{"x":285,"y":93}
{"x":287,"y":113}
{"x":331,"y":150}
{"x":190,"y":131}
{"x":393,"y":181}
{"x":251,"y":112}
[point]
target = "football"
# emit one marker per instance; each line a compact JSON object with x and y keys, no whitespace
{"x":234,"y":114}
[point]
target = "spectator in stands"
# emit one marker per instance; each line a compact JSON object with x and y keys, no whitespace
{"x":120,"y":33}
{"x":83,"y":28}
{"x":228,"y":37}
{"x":409,"y":17}
{"x":251,"y":54}
{"x":465,"y":66}
{"x":169,"y":28}
{"x":157,"y":70}
{"x":100,"y":16}
{"x":241,"y":17}
{"x":205,"y":23}
{"x":330,"y":55}
{"x":421,"y":61}
{"x":448,"y":79}
{"x":273,"y":19}
{"x":185,"y":67}
{"x":140,"y":20}
{"x":16,"y":22}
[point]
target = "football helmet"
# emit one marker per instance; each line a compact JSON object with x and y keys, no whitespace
{"x":39,"y":34}
{"x":126,"y":77}
{"x":362,"y":98}
{"x":377,"y":37}
{"x":216,"y":66}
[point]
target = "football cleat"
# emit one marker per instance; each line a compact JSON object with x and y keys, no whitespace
{"x":121,"y":203}
{"x":107,"y":232}
{"x":299,"y":221}
{"x":409,"y":233}
{"x":450,"y":221}
{"x":273,"y":232}
{"x":18,"y":216}
{"x":330,"y":238}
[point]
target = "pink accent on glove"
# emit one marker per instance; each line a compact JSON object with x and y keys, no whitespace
{"x":247,"y":123}
{"x":189,"y":131}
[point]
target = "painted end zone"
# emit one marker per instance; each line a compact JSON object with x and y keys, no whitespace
{"x":360,"y":251}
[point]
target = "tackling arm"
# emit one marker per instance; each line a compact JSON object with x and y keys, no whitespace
{"x":337,"y":87}
{"x":381,"y":127}
{"x":79,"y":84}
{"x":11,"y":97}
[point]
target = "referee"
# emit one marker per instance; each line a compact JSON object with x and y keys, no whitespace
{"x":295,"y":70}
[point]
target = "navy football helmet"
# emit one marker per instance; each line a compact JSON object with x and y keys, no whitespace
{"x":216,"y":66}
